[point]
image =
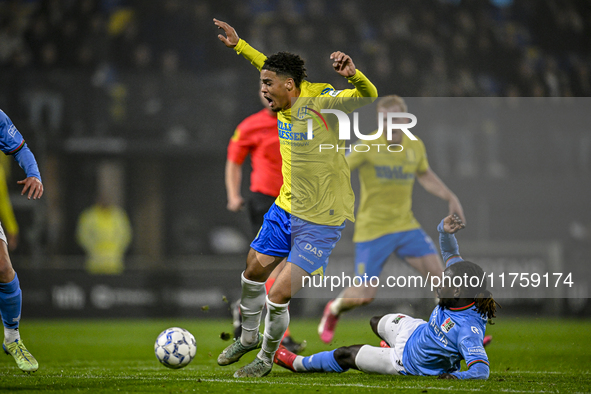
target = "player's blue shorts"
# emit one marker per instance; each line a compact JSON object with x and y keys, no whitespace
{"x":371,"y":256}
{"x":305,"y":244}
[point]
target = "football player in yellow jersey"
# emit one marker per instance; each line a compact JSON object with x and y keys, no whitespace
{"x":307,"y":218}
{"x":385,"y":222}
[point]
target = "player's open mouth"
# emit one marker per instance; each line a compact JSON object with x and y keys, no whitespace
{"x":270,"y":100}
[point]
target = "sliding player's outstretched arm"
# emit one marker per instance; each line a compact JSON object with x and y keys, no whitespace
{"x":472,"y":350}
{"x":32,"y":184}
{"x":231,"y":40}
{"x":450,"y":250}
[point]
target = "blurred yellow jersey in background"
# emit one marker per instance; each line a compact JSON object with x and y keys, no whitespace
{"x":387,"y":179}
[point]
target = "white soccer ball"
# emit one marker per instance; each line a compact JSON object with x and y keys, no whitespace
{"x":175,"y":347}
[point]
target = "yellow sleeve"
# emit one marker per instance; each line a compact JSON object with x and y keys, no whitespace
{"x":255,"y":57}
{"x":363,"y":87}
{"x":6,"y":213}
{"x":350,"y":99}
{"x":423,"y":164}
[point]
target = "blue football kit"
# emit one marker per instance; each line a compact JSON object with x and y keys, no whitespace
{"x":452,"y":334}
{"x":436,"y":347}
{"x":13,"y":143}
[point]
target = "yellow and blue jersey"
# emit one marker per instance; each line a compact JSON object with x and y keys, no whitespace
{"x":387,"y":179}
{"x":316,"y":184}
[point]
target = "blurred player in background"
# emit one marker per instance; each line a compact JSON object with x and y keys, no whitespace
{"x":104,"y":232}
{"x":256,"y":135}
{"x":455,"y":330}
{"x":385,"y":222}
{"x":6,"y":212}
{"x":12,"y":143}
{"x":287,"y":232}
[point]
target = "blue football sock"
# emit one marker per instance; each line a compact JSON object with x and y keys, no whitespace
{"x":322,"y":362}
{"x":10,"y":303}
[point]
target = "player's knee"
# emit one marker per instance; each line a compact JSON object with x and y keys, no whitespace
{"x":345,"y":356}
{"x":373,"y":322}
{"x":254,"y":274}
{"x":6,"y":271}
{"x":279,"y":295}
{"x":254,"y":271}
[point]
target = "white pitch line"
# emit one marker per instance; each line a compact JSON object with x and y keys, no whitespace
{"x":320,"y":384}
{"x":541,"y":372}
{"x":396,"y":386}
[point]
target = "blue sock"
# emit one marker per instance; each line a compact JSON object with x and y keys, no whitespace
{"x":10,"y":303}
{"x":322,"y":362}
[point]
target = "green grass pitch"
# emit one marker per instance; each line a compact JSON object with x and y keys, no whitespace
{"x":528,"y":355}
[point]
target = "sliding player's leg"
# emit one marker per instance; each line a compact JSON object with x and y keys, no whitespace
{"x":364,"y":358}
{"x":370,"y":258}
{"x":10,"y":309}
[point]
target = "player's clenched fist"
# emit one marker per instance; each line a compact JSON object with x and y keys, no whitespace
{"x":343,"y":64}
{"x":231,"y":38}
{"x":452,"y":224}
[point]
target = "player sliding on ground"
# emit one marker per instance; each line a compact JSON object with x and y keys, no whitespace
{"x":455,"y":330}
{"x":306,"y":220}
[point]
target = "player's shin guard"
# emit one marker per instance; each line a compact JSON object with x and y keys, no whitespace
{"x":321,"y":362}
{"x":276,"y":323}
{"x":251,"y":307}
{"x":10,"y":303}
{"x":268,"y":285}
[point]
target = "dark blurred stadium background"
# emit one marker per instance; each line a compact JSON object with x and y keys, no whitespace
{"x":145,"y":94}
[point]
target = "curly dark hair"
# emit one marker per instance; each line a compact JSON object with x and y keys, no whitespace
{"x":285,"y":63}
{"x":484,"y":302}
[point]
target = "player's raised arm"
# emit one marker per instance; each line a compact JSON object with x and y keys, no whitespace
{"x":231,"y":40}
{"x":344,"y":66}
{"x":450,"y":250}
